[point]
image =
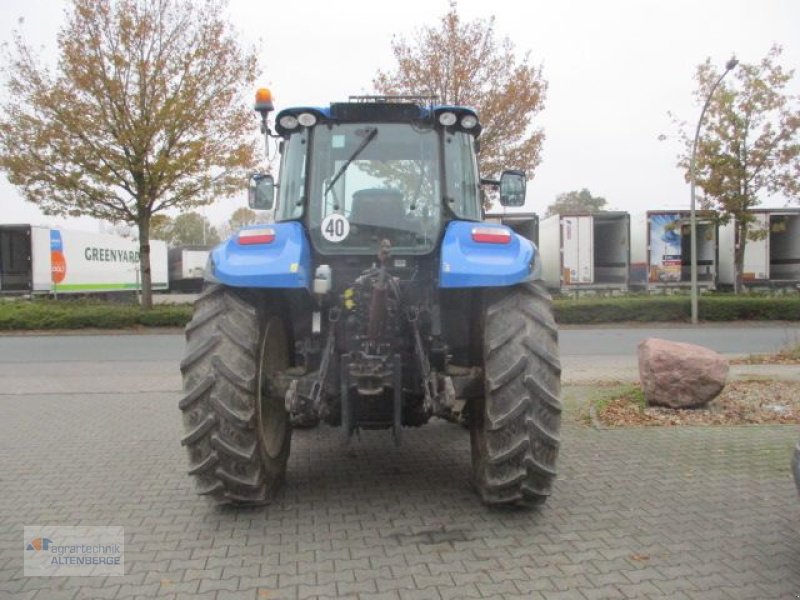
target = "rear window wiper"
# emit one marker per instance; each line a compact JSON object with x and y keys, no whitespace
{"x":370,"y":136}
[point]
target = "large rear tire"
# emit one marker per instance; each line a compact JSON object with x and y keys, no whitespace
{"x":237,"y":430}
{"x":515,"y":426}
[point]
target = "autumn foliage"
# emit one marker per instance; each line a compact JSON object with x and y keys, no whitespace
{"x":462,"y":63}
{"x":749,"y":147}
{"x":144,"y":112}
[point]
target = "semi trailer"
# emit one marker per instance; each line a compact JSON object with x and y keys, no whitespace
{"x":661,"y":250}
{"x":186,"y":267}
{"x":771,"y":256}
{"x":45,"y":260}
{"x":586,"y":251}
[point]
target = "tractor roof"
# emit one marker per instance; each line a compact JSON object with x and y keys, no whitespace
{"x":377,"y":109}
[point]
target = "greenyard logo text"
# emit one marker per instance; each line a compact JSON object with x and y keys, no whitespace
{"x":111,"y":255}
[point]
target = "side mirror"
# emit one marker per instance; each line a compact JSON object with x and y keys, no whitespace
{"x":512,"y":188}
{"x":261,"y":192}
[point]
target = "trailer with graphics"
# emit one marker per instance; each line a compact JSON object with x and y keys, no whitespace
{"x":661,"y":250}
{"x":771,"y":255}
{"x":586,"y":251}
{"x":48,"y":260}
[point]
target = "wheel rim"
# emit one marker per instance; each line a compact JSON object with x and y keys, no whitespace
{"x":273,"y":418}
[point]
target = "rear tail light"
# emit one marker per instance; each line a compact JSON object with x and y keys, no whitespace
{"x":490,"y":235}
{"x":264,"y":235}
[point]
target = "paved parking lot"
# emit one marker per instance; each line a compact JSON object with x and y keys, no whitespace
{"x":647,"y":513}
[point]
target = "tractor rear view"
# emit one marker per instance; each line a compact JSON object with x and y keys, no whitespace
{"x":377,"y":300}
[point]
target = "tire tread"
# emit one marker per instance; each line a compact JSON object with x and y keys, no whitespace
{"x":516,"y":440}
{"x":220,"y":373}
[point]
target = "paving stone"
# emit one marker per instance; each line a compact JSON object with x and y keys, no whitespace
{"x":429,"y":594}
{"x":638,"y":590}
{"x":312,"y":591}
{"x":129,"y":591}
{"x":605,"y":592}
{"x":186,"y":587}
{"x":396,"y":583}
{"x":305,"y":578}
{"x":106,"y":592}
{"x":239,"y":595}
{"x":392,"y":595}
{"x":356,"y":587}
{"x":208,"y":585}
{"x":265,"y":583}
{"x":195,"y":596}
{"x":56,"y":594}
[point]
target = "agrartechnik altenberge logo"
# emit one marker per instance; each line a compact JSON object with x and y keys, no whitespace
{"x":74,"y":551}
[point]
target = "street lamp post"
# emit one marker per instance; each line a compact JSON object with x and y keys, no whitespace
{"x":729,"y":66}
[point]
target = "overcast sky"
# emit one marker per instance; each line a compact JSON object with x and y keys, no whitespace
{"x":614,"y":68}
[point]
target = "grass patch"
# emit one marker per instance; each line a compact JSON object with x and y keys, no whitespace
{"x":788,"y":356}
{"x":600,"y":397}
{"x":791,"y":353}
{"x":635,"y":396}
{"x":42,"y":314}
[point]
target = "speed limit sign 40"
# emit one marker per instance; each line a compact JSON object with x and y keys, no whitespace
{"x":335,"y":228}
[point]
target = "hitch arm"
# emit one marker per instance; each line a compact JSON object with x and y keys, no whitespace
{"x":327,"y":353}
{"x":429,"y":379}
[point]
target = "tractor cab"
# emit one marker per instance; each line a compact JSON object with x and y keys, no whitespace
{"x":374,"y":169}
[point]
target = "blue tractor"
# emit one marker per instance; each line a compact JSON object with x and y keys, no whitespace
{"x":377,"y":299}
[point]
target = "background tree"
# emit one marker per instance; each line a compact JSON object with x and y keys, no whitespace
{"x":242,"y":217}
{"x":144,"y":113}
{"x":161,"y":227}
{"x":576,"y":202}
{"x":749,"y":146}
{"x":190,"y":229}
{"x":461,"y":63}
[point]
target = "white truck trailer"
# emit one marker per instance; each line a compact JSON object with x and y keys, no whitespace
{"x":46,"y":260}
{"x":661,"y":250}
{"x":586,"y":251}
{"x":186,"y":267}
{"x":773,"y":260}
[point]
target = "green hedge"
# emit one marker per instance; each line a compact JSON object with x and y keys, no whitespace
{"x":68,"y":314}
{"x":677,"y":308}
{"x":81,"y":314}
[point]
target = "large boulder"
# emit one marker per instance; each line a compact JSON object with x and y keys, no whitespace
{"x":680,"y":375}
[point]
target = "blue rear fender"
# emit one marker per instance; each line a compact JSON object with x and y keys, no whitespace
{"x":469,"y":263}
{"x":284,"y":262}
